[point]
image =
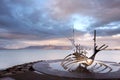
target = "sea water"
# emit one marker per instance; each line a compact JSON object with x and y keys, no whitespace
{"x":10,"y":58}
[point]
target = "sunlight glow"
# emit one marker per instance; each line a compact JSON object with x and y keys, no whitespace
{"x":82,"y":22}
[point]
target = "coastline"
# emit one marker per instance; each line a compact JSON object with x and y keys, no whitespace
{"x":17,"y":69}
{"x":26,"y":72}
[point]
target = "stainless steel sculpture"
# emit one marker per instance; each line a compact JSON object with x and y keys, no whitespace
{"x":78,"y":61}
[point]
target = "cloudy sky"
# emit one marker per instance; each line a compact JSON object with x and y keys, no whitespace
{"x":42,"y":22}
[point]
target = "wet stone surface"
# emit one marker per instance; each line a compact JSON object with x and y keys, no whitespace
{"x":46,"y":68}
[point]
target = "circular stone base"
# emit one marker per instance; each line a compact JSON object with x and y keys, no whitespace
{"x":44,"y":67}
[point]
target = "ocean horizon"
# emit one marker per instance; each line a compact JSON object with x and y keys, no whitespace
{"x":9,"y":58}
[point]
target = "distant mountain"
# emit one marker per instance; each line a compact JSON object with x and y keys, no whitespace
{"x":48,"y":47}
{"x":53,"y":47}
{"x":1,"y":48}
{"x":41,"y":47}
{"x":44,"y":47}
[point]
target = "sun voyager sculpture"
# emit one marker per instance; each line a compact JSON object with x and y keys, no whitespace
{"x":79,"y":62}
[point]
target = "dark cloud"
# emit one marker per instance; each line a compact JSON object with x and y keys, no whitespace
{"x":103,"y":11}
{"x":27,"y":19}
{"x":4,"y":8}
{"x":49,"y":19}
{"x":104,"y":32}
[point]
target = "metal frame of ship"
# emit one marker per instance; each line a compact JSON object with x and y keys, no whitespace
{"x":79,"y":62}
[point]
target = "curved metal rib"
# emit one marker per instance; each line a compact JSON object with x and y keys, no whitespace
{"x":101,"y":65}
